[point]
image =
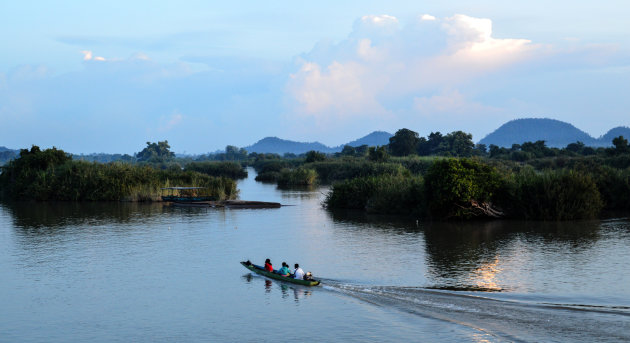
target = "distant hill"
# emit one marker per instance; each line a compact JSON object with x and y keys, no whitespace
{"x":281,"y":146}
{"x":614,"y":133}
{"x":376,"y":138}
{"x":554,"y":132}
{"x":7,"y":154}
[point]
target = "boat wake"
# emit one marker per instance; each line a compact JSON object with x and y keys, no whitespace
{"x":499,"y":320}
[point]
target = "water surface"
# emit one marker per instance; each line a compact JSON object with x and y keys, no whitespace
{"x":110,"y":272}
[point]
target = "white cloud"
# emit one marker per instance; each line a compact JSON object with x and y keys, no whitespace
{"x":382,"y":63}
{"x":88,"y":56}
{"x":319,"y":91}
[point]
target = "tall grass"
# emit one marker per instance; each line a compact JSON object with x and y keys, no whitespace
{"x":330,"y":171}
{"x":555,"y":195}
{"x":395,"y":194}
{"x":297,"y":177}
{"x":232,"y":170}
{"x":84,"y":181}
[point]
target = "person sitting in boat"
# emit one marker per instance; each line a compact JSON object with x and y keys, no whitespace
{"x":268,"y":266}
{"x":298,"y":273}
{"x":284,"y":271}
{"x":308,"y":276}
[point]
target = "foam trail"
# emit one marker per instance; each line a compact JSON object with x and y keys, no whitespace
{"x":499,"y":320}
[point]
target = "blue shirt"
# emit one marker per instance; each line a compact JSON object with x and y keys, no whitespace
{"x":284,"y":271}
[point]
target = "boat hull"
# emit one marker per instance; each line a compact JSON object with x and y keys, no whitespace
{"x":260,"y":270}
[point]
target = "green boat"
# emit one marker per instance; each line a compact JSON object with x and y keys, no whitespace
{"x":260,"y":270}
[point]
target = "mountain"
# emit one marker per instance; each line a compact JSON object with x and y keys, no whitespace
{"x":614,"y":133}
{"x":554,"y":132}
{"x":376,"y":138}
{"x":3,"y":149}
{"x":7,"y":154}
{"x":281,"y":146}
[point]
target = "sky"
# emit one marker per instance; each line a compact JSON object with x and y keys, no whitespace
{"x":92,"y":77}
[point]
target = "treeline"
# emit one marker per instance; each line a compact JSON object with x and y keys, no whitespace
{"x":52,"y":174}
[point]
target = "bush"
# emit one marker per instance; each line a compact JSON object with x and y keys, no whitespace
{"x":232,"y":170}
{"x":461,"y":188}
{"x":385,"y":194}
{"x":297,"y":177}
{"x":555,"y":195}
{"x":347,"y":169}
{"x":27,"y":178}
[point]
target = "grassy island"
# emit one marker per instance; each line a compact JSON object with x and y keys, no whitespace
{"x":52,"y":174}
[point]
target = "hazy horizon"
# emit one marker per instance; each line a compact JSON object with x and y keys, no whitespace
{"x":91,"y":78}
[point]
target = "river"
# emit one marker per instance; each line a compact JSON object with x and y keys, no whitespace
{"x":121,"y":272}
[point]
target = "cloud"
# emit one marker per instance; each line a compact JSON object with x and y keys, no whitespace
{"x":87,"y":56}
{"x":383,"y":63}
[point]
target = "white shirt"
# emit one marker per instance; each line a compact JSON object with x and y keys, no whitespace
{"x":298,"y":273}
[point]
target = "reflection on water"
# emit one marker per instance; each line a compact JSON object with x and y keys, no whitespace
{"x":79,"y":271}
{"x":298,"y":292}
{"x":45,"y":217}
{"x":469,"y":256}
{"x":491,"y":256}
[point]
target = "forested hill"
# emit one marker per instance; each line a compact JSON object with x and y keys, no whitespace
{"x":376,"y":138}
{"x":554,"y":132}
{"x":7,"y":154}
{"x":614,"y":133}
{"x":281,"y":146}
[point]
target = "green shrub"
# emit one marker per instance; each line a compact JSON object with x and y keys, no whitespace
{"x":555,"y":195}
{"x":462,"y":188}
{"x":28,"y":178}
{"x":297,"y":177}
{"x":232,"y":170}
{"x":386,"y":194}
{"x":330,"y":171}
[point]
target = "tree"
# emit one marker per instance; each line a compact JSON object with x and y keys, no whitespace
{"x":621,"y":145}
{"x":377,"y":154}
{"x":362,"y":150}
{"x":348,"y":150}
{"x":156,"y":153}
{"x":314,"y":156}
{"x":576,"y":147}
{"x":435,"y":140}
{"x":403,"y":143}
{"x":459,"y":144}
{"x":462,"y":188}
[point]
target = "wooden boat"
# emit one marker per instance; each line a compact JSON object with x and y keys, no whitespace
{"x":185,"y":195}
{"x":260,"y":270}
{"x":250,"y":204}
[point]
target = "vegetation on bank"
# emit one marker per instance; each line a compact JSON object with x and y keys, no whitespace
{"x":228,"y":169}
{"x":461,"y":188}
{"x":51,"y":174}
{"x":438,"y":176}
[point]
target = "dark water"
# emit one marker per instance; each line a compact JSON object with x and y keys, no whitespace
{"x":135,"y":272}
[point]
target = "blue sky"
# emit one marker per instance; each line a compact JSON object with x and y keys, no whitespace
{"x":108,"y":77}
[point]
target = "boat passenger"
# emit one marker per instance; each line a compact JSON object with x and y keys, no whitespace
{"x":308,"y":276}
{"x":268,"y":266}
{"x":284,"y":271}
{"x":298,"y":273}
